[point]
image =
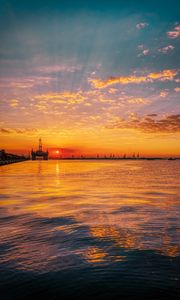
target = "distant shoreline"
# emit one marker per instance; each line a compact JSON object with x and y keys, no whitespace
{"x":4,"y":163}
{"x":115,"y":158}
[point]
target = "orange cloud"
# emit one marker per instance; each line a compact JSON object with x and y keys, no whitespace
{"x":163,"y":94}
{"x":14,"y":103}
{"x":175,"y":33}
{"x":138,"y":101}
{"x":151,"y":77}
{"x":149,"y":123}
{"x":62,"y":97}
{"x":177,"y":89}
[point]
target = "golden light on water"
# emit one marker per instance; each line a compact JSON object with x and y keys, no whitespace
{"x":121,"y":209}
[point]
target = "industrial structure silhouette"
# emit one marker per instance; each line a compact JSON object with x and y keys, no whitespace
{"x":39,"y":153}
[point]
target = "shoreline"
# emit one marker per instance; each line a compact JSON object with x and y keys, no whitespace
{"x":6,"y":162}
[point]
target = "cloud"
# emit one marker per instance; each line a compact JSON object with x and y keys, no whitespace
{"x":149,"y":123}
{"x":151,"y":77}
{"x":18,"y":130}
{"x":141,"y":47}
{"x":112,"y":91}
{"x":163,"y":94}
{"x":145,"y":52}
{"x":141,"y":25}
{"x":152,"y":115}
{"x":6,"y":130}
{"x":14,"y":103}
{"x":167,"y":49}
{"x":138,"y":101}
{"x":177,"y":89}
{"x":58,"y":68}
{"x":175,"y":33}
{"x":62,"y":97}
{"x":24,"y":82}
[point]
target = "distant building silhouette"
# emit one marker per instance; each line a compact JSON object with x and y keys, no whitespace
{"x":39,"y":153}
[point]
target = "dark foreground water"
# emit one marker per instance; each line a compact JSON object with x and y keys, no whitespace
{"x":90,"y":230}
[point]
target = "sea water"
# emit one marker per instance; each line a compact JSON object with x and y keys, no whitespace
{"x":99,"y":229}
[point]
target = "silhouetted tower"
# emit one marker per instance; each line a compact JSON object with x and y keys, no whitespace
{"x":40,"y":144}
{"x":39,"y":153}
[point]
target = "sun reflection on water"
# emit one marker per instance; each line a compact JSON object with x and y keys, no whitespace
{"x":55,"y":214}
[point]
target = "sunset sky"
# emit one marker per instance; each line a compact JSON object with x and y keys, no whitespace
{"x":90,"y":77}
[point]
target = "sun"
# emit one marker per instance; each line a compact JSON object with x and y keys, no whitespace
{"x":57,"y":151}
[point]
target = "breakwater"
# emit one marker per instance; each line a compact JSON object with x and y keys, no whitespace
{"x":9,"y":158}
{"x":12,"y":161}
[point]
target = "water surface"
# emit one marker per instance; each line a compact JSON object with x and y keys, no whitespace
{"x":90,"y":230}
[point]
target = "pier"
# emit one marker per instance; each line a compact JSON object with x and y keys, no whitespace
{"x":9,"y":158}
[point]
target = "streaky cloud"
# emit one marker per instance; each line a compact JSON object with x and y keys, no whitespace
{"x":149,"y":123}
{"x":165,"y":75}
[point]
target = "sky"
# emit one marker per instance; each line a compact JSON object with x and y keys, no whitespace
{"x":90,"y":77}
